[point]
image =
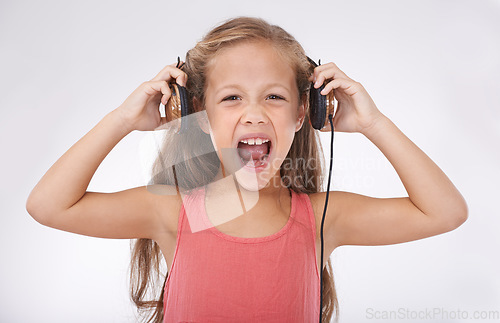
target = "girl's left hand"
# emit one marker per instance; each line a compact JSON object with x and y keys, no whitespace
{"x":356,"y":111}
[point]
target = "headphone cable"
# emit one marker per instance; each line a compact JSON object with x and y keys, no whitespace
{"x":323,"y":220}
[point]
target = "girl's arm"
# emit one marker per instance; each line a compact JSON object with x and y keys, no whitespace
{"x":60,"y":199}
{"x":433,"y":205}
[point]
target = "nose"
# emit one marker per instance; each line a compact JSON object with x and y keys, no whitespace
{"x":254,"y":114}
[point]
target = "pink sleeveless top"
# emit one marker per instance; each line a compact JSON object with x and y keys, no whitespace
{"x":215,"y":277}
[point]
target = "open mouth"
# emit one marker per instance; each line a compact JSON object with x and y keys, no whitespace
{"x":254,"y":152}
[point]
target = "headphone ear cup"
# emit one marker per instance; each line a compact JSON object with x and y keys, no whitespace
{"x":184,"y":99}
{"x":330,"y":104}
{"x":317,"y":107}
{"x":177,"y":105}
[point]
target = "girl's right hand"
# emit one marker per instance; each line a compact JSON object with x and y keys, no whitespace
{"x":140,"y":111}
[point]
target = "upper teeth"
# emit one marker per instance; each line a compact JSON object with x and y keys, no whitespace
{"x":254,"y":141}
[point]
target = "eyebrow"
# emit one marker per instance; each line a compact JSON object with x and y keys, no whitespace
{"x":236,"y":86}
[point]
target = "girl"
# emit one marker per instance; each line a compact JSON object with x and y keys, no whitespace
{"x":232,"y":256}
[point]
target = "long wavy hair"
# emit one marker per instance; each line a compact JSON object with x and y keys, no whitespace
{"x":145,"y":271}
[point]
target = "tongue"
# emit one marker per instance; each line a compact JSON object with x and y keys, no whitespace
{"x":254,"y":152}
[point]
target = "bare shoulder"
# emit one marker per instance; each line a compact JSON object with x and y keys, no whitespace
{"x":167,"y":205}
{"x":318,"y":205}
{"x":336,"y":199}
{"x":318,"y":202}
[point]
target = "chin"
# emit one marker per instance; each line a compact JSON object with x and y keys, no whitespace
{"x":249,"y":182}
{"x":252,"y":182}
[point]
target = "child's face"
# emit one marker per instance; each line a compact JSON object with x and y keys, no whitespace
{"x":252,"y":91}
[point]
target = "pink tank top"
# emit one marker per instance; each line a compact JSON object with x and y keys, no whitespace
{"x":215,"y":277}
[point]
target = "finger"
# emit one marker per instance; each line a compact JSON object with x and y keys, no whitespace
{"x":333,"y":67}
{"x":327,"y":71}
{"x":349,"y":86}
{"x":152,"y":88}
{"x":165,"y":90}
{"x":169,"y":73}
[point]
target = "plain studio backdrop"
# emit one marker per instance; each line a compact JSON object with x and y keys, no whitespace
{"x":431,"y":66}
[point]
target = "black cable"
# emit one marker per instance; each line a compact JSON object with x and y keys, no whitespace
{"x":330,"y":118}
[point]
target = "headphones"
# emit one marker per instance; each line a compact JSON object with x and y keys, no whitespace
{"x":321,"y":109}
{"x":320,"y":106}
{"x":178,"y":103}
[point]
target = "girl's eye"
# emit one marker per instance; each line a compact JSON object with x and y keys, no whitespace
{"x":230,"y":98}
{"x":275,"y":97}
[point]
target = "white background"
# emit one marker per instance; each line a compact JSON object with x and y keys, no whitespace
{"x":431,"y":66}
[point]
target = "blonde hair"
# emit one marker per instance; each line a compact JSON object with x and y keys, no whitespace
{"x":198,"y":171}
